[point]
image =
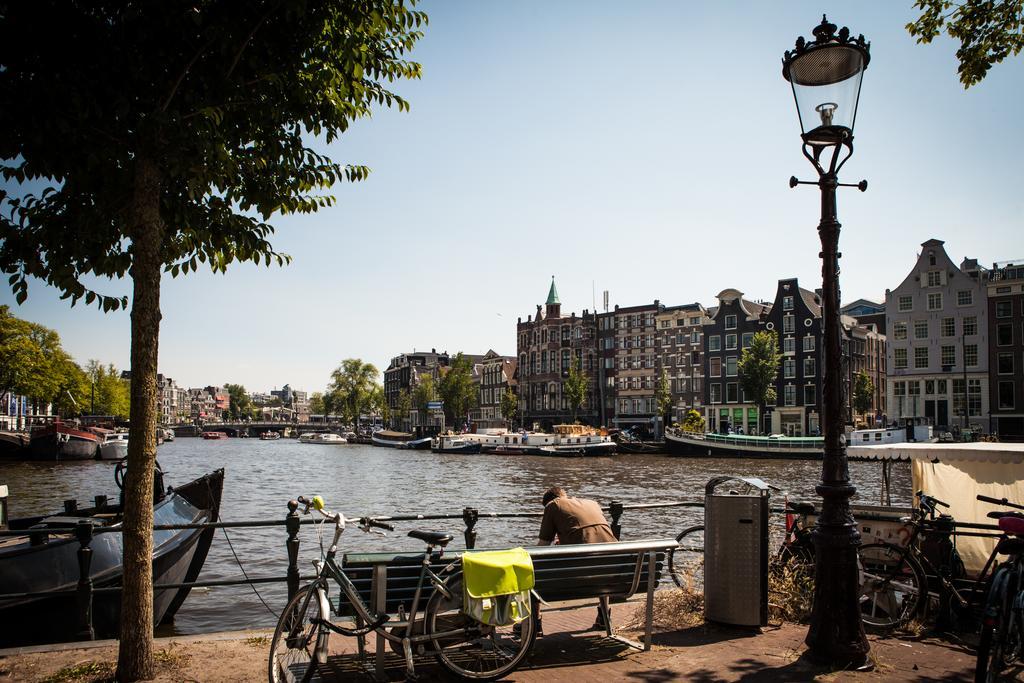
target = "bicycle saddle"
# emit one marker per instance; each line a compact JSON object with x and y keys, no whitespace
{"x":1012,"y":525}
{"x":431,"y":537}
{"x":1010,"y":546}
{"x":802,"y":508}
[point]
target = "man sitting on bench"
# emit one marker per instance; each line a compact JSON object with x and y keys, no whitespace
{"x":574,"y":521}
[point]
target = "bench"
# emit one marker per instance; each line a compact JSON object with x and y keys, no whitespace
{"x":602,"y":571}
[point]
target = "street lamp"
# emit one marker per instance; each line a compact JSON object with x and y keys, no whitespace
{"x":826,"y":74}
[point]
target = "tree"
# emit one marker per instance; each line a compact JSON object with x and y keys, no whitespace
{"x":316,"y":403}
{"x":663,"y":396}
{"x":423,"y":393}
{"x":693,"y":422}
{"x":863,"y":393}
{"x":575,"y":387}
{"x":758,"y":367}
{"x":379,"y":404}
{"x":989,"y":31}
{"x":404,"y":405}
{"x":509,"y":406}
{"x":457,"y":388}
{"x":352,"y":386}
{"x":240,"y":404}
{"x":105,"y":392}
{"x":165,"y":136}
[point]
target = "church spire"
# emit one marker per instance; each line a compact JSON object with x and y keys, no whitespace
{"x":552,"y":293}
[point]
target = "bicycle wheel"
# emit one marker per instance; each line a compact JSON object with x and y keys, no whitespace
{"x":1000,"y":635}
{"x":300,"y":642}
{"x":686,"y":560}
{"x":893,"y":586}
{"x":470,"y":649}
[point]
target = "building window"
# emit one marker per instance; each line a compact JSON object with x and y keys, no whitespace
{"x":730,"y":366}
{"x":789,"y":368}
{"x":929,"y":387}
{"x":1006,"y":401}
{"x":905,"y":303}
{"x":787,"y":303}
{"x":715,"y":343}
{"x":900,"y":358}
{"x":809,"y":367}
{"x":1004,"y":364}
{"x":935,"y":301}
{"x":974,"y":397}
{"x":934,"y":278}
{"x":1004,"y":309}
{"x":732,"y":393}
{"x":748,"y":339}
{"x":970,"y":325}
{"x":1004,"y":334}
{"x":899,"y":388}
{"x":948,"y":355}
{"x":920,"y":357}
{"x":566,"y":355}
{"x":964,"y":297}
{"x":715,"y":369}
{"x":809,"y":395}
{"x":730,"y":342}
{"x":942,"y":385}
{"x":899,"y":330}
{"x":947,"y":328}
{"x":694,"y":336}
{"x":920,"y":329}
{"x":788,"y":324}
{"x":971,"y":355}
{"x":695,"y":320}
{"x":809,"y":343}
{"x":716,"y":393}
{"x":788,"y":345}
{"x":730,"y":322}
{"x":789,"y":394}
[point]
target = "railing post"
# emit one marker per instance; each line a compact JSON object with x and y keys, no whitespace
{"x":83,"y":532}
{"x":292,"y":525}
{"x":616,"y":511}
{"x":470,"y":517}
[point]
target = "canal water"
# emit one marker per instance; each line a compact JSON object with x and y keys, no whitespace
{"x":261,"y":476}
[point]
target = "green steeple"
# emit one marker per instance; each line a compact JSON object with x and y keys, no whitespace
{"x":553,"y":293}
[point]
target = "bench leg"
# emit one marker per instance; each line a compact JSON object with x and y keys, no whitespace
{"x":652,"y":569}
{"x":380,"y":584}
{"x":605,"y":610}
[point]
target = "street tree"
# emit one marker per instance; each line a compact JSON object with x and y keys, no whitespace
{"x":663,"y":397}
{"x":693,"y":422}
{"x":352,"y":387}
{"x":316,"y":403}
{"x":457,"y":389}
{"x":106,"y":393}
{"x":758,"y":367}
{"x":423,"y":393}
{"x":863,"y":393}
{"x":989,"y":31}
{"x":575,"y":387}
{"x":403,"y":408}
{"x":240,"y":404}
{"x":509,"y":406}
{"x":141,"y":138}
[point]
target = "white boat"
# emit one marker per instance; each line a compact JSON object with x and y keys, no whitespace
{"x":324,"y":437}
{"x":168,"y":435}
{"x":114,"y":446}
{"x":567,"y":440}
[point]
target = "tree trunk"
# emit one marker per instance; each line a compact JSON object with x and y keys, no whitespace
{"x":135,"y":654}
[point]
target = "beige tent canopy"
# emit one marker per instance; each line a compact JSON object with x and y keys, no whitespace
{"x":956,"y":473}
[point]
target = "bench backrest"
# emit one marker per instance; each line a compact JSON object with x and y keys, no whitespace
{"x":568,"y":572}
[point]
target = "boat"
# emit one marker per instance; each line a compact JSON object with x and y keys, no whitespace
{"x":168,"y":435}
{"x":45,"y":558}
{"x":448,"y":443}
{"x":13,"y":445}
{"x":270,"y":436}
{"x":681,"y":442}
{"x":406,"y":440}
{"x":322,"y":437}
{"x":63,"y":441}
{"x":114,"y":444}
{"x":214,"y":435}
{"x":628,"y":441}
{"x":567,"y":440}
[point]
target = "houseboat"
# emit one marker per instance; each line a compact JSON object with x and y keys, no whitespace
{"x":567,"y":440}
{"x":322,"y":438}
{"x":63,"y":441}
{"x":450,"y":443}
{"x":680,"y":442}
{"x":407,"y":440}
{"x":213,"y":436}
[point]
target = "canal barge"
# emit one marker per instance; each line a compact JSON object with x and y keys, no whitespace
{"x":680,"y":442}
{"x":406,"y":440}
{"x":450,"y":443}
{"x":44,"y":559}
{"x":566,"y":441}
{"x":63,"y":441}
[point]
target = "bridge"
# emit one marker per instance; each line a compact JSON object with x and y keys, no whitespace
{"x":236,"y":429}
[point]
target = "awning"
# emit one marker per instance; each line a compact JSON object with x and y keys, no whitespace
{"x":1009,"y":453}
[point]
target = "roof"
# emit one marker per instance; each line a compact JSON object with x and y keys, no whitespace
{"x":552,"y":293}
{"x":812,"y":300}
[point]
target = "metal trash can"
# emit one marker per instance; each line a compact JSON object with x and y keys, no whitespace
{"x":736,"y":551}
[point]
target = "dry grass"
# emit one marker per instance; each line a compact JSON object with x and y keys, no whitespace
{"x":171,"y":657}
{"x":83,"y":672}
{"x":674,"y":609}
{"x":258,"y":642}
{"x":790,"y":591}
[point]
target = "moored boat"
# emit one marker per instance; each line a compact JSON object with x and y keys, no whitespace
{"x":567,"y":440}
{"x":212,"y":435}
{"x":13,"y":445}
{"x":45,"y":558}
{"x":407,"y":440}
{"x":114,"y":444}
{"x":270,"y":436}
{"x":448,"y":443}
{"x":685,"y":443}
{"x":63,"y":441}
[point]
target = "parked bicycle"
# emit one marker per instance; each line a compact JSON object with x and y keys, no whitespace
{"x":1002,"y":629}
{"x":464,"y":646}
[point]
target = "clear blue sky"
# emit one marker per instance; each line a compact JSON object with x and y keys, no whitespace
{"x":640,"y":148}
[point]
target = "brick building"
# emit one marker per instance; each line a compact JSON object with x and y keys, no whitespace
{"x":1006,"y":349}
{"x":679,"y":339}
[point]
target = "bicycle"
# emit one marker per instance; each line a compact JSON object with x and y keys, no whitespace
{"x":1002,"y":630}
{"x":469,"y":649}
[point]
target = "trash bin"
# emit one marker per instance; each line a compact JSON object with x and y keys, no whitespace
{"x":736,"y":551}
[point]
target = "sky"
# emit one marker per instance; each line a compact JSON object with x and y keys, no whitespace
{"x":640,"y":148}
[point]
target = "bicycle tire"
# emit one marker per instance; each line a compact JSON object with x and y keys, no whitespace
{"x":686,"y":560}
{"x":893,"y":586}
{"x":483,"y":653}
{"x":994,"y":638}
{"x":300,"y":641}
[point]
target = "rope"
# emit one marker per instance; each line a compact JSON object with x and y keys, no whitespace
{"x":251,"y":585}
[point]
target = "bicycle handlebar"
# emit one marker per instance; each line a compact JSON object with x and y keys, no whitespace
{"x":365,"y":523}
{"x":999,"y":501}
{"x":927,"y":500}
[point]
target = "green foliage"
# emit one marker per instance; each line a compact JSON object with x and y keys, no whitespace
{"x":759,"y":366}
{"x":104,"y":392}
{"x":457,"y":388}
{"x":509,"y":405}
{"x":316,"y":403}
{"x":693,"y":421}
{"x":240,"y":404}
{"x":989,"y":31}
{"x":403,"y":405}
{"x":352,"y":387}
{"x":863,"y":392}
{"x":575,"y":387}
{"x":379,"y":404}
{"x":33,"y":363}
{"x":663,"y":396}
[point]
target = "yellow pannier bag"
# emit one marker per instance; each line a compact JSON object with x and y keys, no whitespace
{"x":496,"y":585}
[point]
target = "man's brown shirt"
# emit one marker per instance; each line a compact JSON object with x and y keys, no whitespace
{"x":575,"y":520}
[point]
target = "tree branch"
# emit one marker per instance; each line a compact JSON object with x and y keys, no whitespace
{"x":184,"y":72}
{"x":248,"y":38}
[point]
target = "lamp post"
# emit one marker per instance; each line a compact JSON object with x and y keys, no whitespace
{"x":825,"y":74}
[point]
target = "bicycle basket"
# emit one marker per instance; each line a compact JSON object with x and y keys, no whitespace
{"x":496,"y":586}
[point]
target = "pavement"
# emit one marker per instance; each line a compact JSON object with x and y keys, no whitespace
{"x":568,"y":651}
